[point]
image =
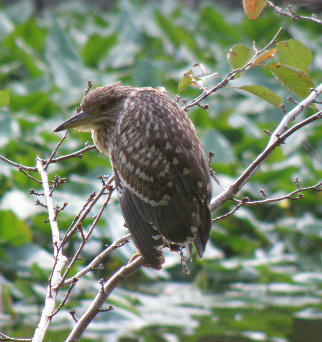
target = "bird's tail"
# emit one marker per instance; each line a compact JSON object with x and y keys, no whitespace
{"x":147,"y":239}
{"x":203,"y":232}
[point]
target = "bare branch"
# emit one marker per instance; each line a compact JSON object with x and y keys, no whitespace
{"x":232,"y":75}
{"x":290,"y":13}
{"x":33,"y":192}
{"x":92,"y":199}
{"x":60,"y":260}
{"x":17,"y":165}
{"x":29,"y":176}
{"x":290,"y":196}
{"x":222,"y":217}
{"x":252,"y":168}
{"x":4,"y":337}
{"x":91,"y":266}
{"x":87,"y":236}
{"x":77,"y":154}
{"x":291,"y":115}
{"x":69,"y":291}
{"x":102,"y":296}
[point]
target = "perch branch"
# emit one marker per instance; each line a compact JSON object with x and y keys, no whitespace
{"x":60,"y":260}
{"x":91,"y":266}
{"x":102,"y":296}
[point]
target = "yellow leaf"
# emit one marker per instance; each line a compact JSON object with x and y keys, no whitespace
{"x":265,"y":56}
{"x":253,"y":8}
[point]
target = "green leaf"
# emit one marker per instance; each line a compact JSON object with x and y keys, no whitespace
{"x":184,"y":83}
{"x":178,"y":35}
{"x":32,"y":34}
{"x":59,"y":42}
{"x":297,"y":81}
{"x":13,"y":231}
{"x":264,"y":93}
{"x":239,"y":55}
{"x":7,"y":301}
{"x":97,"y":48}
{"x":295,"y":54}
{"x":6,"y":25}
{"x":4,"y":98}
{"x":20,"y":51}
{"x":217,"y":27}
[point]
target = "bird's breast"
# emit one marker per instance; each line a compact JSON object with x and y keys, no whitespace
{"x":102,"y":139}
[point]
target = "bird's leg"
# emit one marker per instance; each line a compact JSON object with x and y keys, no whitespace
{"x":185,"y":260}
{"x":135,"y":256}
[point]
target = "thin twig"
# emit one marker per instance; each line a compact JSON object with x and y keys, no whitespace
{"x":290,"y":13}
{"x":232,"y":75}
{"x":77,"y":154}
{"x":102,"y":296}
{"x":90,"y":198}
{"x":55,"y":150}
{"x":4,"y":337}
{"x":89,"y":86}
{"x":86,"y":237}
{"x":222,"y":217}
{"x":29,"y":176}
{"x":17,"y":165}
{"x":290,"y":196}
{"x":59,"y":258}
{"x":85,"y":211}
{"x":98,"y":259}
{"x":62,"y":304}
{"x":291,"y":115}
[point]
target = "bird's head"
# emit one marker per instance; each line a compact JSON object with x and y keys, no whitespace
{"x":100,"y":108}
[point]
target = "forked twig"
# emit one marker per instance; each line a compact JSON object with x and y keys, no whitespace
{"x":290,"y":13}
{"x":232,"y":75}
{"x":98,"y":259}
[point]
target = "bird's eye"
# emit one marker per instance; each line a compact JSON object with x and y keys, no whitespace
{"x":102,"y":107}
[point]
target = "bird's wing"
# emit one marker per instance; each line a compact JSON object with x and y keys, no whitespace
{"x":160,"y":162}
{"x":147,"y":238}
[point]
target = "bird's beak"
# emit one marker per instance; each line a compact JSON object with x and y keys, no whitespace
{"x":79,"y":119}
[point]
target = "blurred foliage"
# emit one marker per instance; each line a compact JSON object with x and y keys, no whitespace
{"x":262,"y":264}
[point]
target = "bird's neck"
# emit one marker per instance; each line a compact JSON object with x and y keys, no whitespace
{"x":102,"y":138}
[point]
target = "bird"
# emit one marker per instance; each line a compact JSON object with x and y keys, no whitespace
{"x":161,"y":171}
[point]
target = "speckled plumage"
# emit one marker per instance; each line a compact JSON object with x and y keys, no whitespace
{"x":160,"y":168}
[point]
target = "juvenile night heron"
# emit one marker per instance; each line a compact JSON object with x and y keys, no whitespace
{"x":161,"y":171}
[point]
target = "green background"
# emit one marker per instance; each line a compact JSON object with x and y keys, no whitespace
{"x":262,"y":268}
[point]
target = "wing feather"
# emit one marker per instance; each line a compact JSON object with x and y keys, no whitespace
{"x":164,"y":170}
